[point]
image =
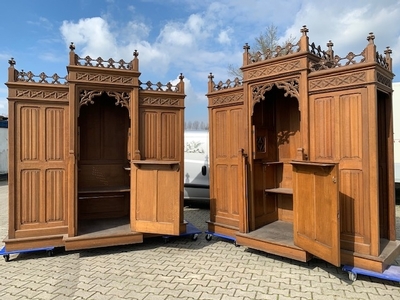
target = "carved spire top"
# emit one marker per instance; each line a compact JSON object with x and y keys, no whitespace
{"x":181,"y":76}
{"x":304,"y":30}
{"x":72,"y":46}
{"x":135,"y":53}
{"x":12,"y":62}
{"x":211,"y":77}
{"x":388,"y":51}
{"x":330,"y":49}
{"x":246,"y":47}
{"x":371,"y":38}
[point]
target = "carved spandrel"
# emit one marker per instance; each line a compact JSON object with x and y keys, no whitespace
{"x":291,"y":87}
{"x":121,"y":98}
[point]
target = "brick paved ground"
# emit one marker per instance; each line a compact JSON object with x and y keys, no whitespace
{"x":180,"y":269}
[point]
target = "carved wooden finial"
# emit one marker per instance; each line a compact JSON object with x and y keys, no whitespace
{"x":72,"y":46}
{"x":246,"y":47}
{"x":371,"y":38}
{"x":304,"y":30}
{"x":330,"y":49}
{"x":210,"y":83}
{"x":12,"y":62}
{"x":135,"y":53}
{"x":181,"y":76}
{"x":387,"y":52}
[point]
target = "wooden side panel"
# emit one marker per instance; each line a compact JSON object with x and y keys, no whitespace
{"x":29,"y":204}
{"x":316,"y":207}
{"x":169,"y":137}
{"x":350,"y":119}
{"x":41,"y":135}
{"x":55,"y":194}
{"x":337,"y":134}
{"x":322,"y":131}
{"x":352,"y":210}
{"x":149,"y":140}
{"x":355,"y":213}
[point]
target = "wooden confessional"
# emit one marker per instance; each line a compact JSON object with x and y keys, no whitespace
{"x":95,"y":158}
{"x":301,"y":155}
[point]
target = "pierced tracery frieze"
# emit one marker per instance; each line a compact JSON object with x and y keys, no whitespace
{"x":42,"y":94}
{"x":121,"y":98}
{"x":232,"y":98}
{"x":275,"y":69}
{"x":159,"y":101}
{"x":354,"y":78}
{"x":104,"y":78}
{"x":291,"y":87}
{"x":384,"y":80}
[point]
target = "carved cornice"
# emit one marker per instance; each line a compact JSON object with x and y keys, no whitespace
{"x":274,"y":69}
{"x":103,"y":78}
{"x":228,"y":99}
{"x":158,"y":101}
{"x":384,"y":80}
{"x":42,"y":94}
{"x":336,"y":81}
{"x":121,"y":98}
{"x":291,"y":87}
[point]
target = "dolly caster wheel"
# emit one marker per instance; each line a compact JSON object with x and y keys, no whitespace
{"x":352,"y":276}
{"x":208,"y":237}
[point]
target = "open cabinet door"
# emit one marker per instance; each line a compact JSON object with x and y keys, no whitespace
{"x":316,"y":208}
{"x":155,"y":197}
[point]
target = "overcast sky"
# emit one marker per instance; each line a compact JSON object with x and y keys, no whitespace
{"x":182,"y":36}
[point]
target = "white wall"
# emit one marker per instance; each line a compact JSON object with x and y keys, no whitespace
{"x":396,"y":129}
{"x":3,"y":150}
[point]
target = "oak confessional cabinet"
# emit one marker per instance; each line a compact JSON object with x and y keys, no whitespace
{"x":95,"y":158}
{"x":301,"y":155}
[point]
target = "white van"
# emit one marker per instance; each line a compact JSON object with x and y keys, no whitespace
{"x":196,"y":165}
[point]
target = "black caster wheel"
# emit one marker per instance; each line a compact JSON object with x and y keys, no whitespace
{"x":208,"y":237}
{"x":236,"y":244}
{"x":194,"y":237}
{"x":6,"y":257}
{"x":50,"y":253}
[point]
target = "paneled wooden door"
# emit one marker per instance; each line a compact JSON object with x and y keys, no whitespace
{"x":316,"y":208}
{"x":157,"y":178}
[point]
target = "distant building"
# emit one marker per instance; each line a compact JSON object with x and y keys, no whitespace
{"x":3,"y":147}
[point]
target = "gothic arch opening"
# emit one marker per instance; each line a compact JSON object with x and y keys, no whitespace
{"x":103,"y":176}
{"x":276,"y":128}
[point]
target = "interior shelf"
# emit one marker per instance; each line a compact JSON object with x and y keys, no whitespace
{"x":171,"y":163}
{"x":286,"y":191}
{"x":113,"y":189}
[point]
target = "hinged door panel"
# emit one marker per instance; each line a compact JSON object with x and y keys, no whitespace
{"x":157,"y":173}
{"x":316,"y":208}
{"x":156,"y":197}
